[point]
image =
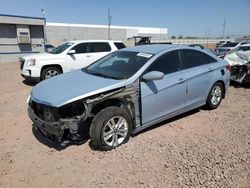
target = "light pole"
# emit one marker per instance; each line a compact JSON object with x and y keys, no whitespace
{"x":44,"y":29}
{"x":224,"y":28}
{"x":109,"y":23}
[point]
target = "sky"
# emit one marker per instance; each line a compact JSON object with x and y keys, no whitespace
{"x":200,"y":18}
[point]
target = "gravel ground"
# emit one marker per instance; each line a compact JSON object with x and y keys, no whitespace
{"x":198,"y":149}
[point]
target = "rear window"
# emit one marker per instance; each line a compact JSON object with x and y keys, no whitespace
{"x":100,"y":47}
{"x":119,"y":45}
{"x":231,"y":44}
{"x":245,"y":48}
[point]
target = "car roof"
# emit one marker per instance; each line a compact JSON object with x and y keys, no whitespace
{"x":151,"y":48}
{"x":80,"y":41}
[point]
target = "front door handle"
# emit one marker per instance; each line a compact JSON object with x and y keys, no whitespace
{"x":210,"y":69}
{"x":88,"y":55}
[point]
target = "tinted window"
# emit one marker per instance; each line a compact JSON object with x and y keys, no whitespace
{"x":100,"y":47}
{"x":245,"y":48}
{"x":81,"y":48}
{"x":49,"y":46}
{"x":167,"y":63}
{"x":193,"y":58}
{"x":231,"y":44}
{"x":119,"y":45}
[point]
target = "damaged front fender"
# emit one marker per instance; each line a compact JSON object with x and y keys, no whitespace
{"x":65,"y":122}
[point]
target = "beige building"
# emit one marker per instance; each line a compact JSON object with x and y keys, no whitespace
{"x":20,"y":35}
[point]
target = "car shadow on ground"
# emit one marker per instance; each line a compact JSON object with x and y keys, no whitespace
{"x":238,"y":85}
{"x":171,"y":120}
{"x":39,"y":136}
{"x":29,"y":83}
{"x":42,"y":139}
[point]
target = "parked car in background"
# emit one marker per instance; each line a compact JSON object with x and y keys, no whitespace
{"x":240,"y":62}
{"x":200,"y":47}
{"x":221,"y":43}
{"x":222,"y":50}
{"x":49,"y":47}
{"x":126,"y":92}
{"x":66,"y":57}
{"x":234,"y":57}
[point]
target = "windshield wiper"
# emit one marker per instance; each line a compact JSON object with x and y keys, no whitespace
{"x":99,"y":74}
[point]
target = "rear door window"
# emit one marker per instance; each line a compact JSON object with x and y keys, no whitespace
{"x":193,"y":58}
{"x":100,"y":47}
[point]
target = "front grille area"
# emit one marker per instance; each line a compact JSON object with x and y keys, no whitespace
{"x":46,"y":113}
{"x":22,"y":61}
{"x":52,"y":114}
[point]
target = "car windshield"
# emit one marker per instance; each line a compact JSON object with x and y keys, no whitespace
{"x":61,"y":48}
{"x":118,"y":65}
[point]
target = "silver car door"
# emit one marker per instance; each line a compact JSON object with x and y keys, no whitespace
{"x":163,"y":97}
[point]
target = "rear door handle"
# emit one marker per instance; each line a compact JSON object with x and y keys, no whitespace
{"x":88,"y":55}
{"x":181,"y":80}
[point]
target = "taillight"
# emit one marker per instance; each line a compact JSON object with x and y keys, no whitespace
{"x":228,"y":67}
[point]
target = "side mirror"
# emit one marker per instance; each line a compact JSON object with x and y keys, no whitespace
{"x":71,"y":52}
{"x":153,"y":75}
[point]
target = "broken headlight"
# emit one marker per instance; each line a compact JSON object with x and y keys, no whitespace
{"x":72,"y":110}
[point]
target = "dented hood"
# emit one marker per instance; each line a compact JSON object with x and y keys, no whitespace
{"x":72,"y":86}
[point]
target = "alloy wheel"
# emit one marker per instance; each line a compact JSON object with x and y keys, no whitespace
{"x":115,"y":131}
{"x":216,"y":95}
{"x":51,"y":73}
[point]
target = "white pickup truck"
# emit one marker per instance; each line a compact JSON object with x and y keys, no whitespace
{"x":69,"y":56}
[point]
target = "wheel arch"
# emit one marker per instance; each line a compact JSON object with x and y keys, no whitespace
{"x":110,"y":102}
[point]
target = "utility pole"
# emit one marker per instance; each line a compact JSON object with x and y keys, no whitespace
{"x":44,"y":29}
{"x":109,"y":23}
{"x":224,"y":28}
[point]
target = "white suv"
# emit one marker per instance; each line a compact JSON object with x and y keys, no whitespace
{"x":69,"y":56}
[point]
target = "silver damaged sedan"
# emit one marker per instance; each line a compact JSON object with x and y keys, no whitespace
{"x":126,"y":92}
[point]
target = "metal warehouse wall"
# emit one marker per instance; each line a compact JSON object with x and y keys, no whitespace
{"x":57,"y":35}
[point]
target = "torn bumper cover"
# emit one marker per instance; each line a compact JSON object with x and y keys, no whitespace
{"x":59,"y":128}
{"x":53,"y":131}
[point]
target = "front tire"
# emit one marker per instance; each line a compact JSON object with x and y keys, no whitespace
{"x":215,"y":96}
{"x":50,"y":72}
{"x":110,"y":128}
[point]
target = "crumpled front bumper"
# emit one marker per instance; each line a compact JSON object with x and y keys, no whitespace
{"x":52,"y":131}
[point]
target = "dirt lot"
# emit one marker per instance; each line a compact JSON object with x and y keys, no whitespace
{"x":199,"y":149}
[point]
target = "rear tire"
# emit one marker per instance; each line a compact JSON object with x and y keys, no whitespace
{"x":215,"y":96}
{"x":110,"y":128}
{"x":50,"y":72}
